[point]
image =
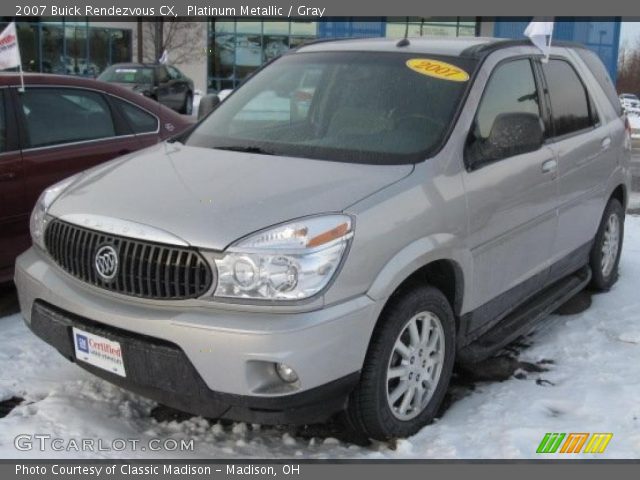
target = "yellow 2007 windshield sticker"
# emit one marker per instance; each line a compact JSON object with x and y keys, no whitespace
{"x":437,"y":69}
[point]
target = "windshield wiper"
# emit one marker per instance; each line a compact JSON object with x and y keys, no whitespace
{"x":249,"y":149}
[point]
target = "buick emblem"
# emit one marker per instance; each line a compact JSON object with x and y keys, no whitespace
{"x":106,"y":262}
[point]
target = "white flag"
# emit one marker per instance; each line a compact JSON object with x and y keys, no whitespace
{"x":540,"y":34}
{"x":9,"y":51}
{"x":164,"y":58}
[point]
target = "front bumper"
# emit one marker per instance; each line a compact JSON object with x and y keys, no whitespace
{"x":207,"y":360}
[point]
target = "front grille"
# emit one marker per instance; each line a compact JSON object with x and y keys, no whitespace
{"x":145,"y":269}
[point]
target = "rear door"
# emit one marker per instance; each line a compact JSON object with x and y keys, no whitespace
{"x":511,"y":201}
{"x":583,"y":144}
{"x":141,"y":122}
{"x":179,"y":85}
{"x":165,"y":93}
{"x":13,"y":214}
{"x":64,"y":131}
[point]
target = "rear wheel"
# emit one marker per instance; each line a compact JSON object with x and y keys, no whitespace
{"x":407,"y":368}
{"x":605,"y":253}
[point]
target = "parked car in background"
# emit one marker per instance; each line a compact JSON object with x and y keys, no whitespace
{"x":630,"y":103}
{"x":57,"y":127}
{"x":164,"y":83}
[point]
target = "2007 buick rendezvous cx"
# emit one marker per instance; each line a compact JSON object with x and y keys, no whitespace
{"x":334,"y":235}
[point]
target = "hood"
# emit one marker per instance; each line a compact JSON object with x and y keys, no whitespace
{"x":211,"y":198}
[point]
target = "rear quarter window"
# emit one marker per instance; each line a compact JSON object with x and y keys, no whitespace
{"x":570,"y":103}
{"x":602,"y":77}
{"x":139,"y":120}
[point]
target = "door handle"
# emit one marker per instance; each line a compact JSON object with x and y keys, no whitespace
{"x":550,"y":166}
{"x":606,"y":143}
{"x":7,"y":176}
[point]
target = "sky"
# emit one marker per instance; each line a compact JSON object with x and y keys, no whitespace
{"x":630,"y":32}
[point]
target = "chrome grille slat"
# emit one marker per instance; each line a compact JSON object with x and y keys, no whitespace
{"x":146,"y":269}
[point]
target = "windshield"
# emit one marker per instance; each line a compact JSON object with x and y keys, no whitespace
{"x":143,"y":75}
{"x":367,"y":107}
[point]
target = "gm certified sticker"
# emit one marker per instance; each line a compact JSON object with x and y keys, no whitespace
{"x":437,"y":69}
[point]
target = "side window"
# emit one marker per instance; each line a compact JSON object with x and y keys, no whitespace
{"x":64,"y":115}
{"x":511,"y":93}
{"x":3,"y":125}
{"x":139,"y":120}
{"x":174,"y":73}
{"x":163,"y":75}
{"x":602,"y":77}
{"x":570,"y":106}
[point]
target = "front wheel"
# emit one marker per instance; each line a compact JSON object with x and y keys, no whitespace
{"x":408,"y":366}
{"x":605,"y":253}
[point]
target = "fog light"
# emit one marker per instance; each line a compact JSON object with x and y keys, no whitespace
{"x":286,"y":373}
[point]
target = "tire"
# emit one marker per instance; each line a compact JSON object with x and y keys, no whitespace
{"x":605,"y":253}
{"x":374,"y":409}
{"x":187,"y":108}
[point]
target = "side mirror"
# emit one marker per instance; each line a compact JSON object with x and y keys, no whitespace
{"x":511,"y":134}
{"x":208,"y":103}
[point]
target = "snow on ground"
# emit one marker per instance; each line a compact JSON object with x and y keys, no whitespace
{"x":197,"y":96}
{"x":592,"y":386}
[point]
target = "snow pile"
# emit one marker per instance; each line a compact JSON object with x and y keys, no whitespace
{"x":592,"y":385}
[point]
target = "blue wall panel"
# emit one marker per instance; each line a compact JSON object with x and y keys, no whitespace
{"x":344,"y":28}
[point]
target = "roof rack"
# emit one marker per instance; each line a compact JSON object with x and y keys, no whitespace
{"x":329,"y":39}
{"x":485,"y":49}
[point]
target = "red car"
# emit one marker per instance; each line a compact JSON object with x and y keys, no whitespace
{"x":58,"y":126}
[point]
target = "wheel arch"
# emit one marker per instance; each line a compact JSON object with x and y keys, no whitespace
{"x":445,"y":269}
{"x":445,"y":275}
{"x":620,"y":194}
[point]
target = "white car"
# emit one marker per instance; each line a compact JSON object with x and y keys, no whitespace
{"x":630,"y":103}
{"x":634,"y":123}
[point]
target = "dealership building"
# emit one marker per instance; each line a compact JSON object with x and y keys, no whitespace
{"x":219,"y":52}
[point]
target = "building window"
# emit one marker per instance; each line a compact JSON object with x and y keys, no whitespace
{"x":120,"y":46}
{"x":238,"y":48}
{"x":70,"y":48}
{"x":52,"y":48}
{"x":99,"y":41}
{"x":430,"y":26}
{"x":29,"y":36}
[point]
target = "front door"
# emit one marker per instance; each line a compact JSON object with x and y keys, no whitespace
{"x":511,"y":201}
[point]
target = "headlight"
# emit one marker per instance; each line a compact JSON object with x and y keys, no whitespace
{"x":38,"y":221}
{"x":293,"y":261}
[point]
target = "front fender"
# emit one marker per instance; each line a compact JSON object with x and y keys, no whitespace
{"x":419,"y":254}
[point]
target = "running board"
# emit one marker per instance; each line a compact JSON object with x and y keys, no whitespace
{"x":524,"y":317}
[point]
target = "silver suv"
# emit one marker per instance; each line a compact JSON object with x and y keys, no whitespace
{"x":339,"y":231}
